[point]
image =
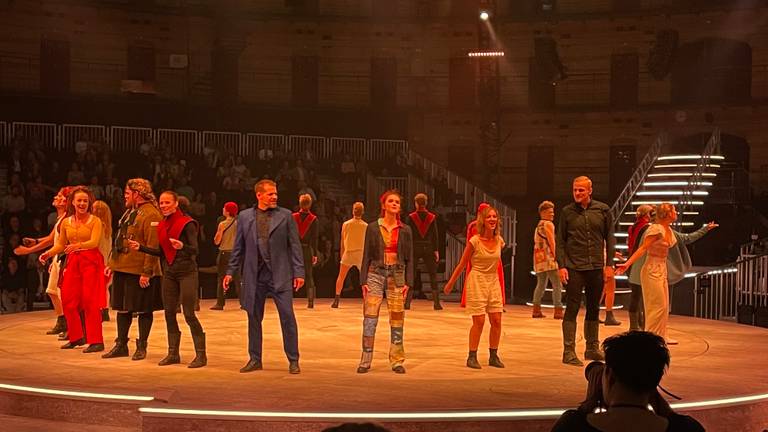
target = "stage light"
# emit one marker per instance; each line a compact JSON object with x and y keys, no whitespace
{"x":485,"y":54}
{"x":681,"y":174}
{"x":670,"y":193}
{"x":484,"y":15}
{"x":685,"y":166}
{"x":676,"y":183}
{"x":55,"y":392}
{"x":679,"y":157}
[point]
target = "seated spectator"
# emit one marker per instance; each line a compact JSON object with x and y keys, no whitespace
{"x":13,"y":285}
{"x":75,"y":176}
{"x":14,"y":202}
{"x":197,"y":207}
{"x":184,"y":189}
{"x":624,"y":386}
{"x":96,"y":189}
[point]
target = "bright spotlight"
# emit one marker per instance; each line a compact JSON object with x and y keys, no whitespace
{"x":484,"y":15}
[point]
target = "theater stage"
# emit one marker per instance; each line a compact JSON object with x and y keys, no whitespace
{"x":714,"y":361}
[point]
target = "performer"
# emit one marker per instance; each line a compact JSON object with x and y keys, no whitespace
{"x":483,"y":251}
{"x":635,"y":233}
{"x":136,"y":277}
{"x":655,"y":276}
{"x":83,"y":285}
{"x":308,"y":235}
{"x":425,"y":248}
{"x":177,"y":238}
{"x":267,"y":246}
{"x":472,"y":231}
{"x":352,"y":244}
{"x":609,"y":294}
{"x":584,"y":240}
{"x":544,"y":262}
{"x":387,"y":266}
{"x":225,"y":240}
{"x":32,"y":245}
{"x":102,"y":211}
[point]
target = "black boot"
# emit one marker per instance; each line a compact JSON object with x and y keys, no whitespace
{"x":494,"y":359}
{"x":634,"y":321}
{"x":569,"y":344}
{"x":436,"y":300}
{"x":591,"y":331}
{"x":119,"y":350}
{"x":61,"y":326}
{"x":141,"y":350}
{"x":104,"y":315}
{"x":200,"y":359}
{"x":610,"y":320}
{"x":174,"y":339}
{"x":472,"y":360}
{"x":335,"y":304}
{"x":145,"y":326}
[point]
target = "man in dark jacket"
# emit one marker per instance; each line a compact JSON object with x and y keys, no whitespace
{"x":423,"y":225}
{"x":585,"y":247}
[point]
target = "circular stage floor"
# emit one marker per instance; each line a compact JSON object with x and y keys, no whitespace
{"x":714,"y":360}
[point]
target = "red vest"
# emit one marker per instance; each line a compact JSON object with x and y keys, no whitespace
{"x":422,"y":225}
{"x":304,"y":224}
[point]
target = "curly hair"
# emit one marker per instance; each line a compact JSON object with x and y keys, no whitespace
{"x":143,"y":187}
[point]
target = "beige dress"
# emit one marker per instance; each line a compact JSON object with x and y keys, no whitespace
{"x":482,"y":284}
{"x":653,"y":278}
{"x":353,"y":239}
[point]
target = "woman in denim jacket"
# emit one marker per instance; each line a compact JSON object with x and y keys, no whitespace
{"x":387,"y":266}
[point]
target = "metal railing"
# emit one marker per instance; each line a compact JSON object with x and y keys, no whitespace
{"x":718,"y":294}
{"x":755,"y":247}
{"x":637,"y":179}
{"x":694,"y":182}
{"x":4,"y":139}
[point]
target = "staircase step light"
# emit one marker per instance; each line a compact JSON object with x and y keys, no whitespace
{"x":671,"y":202}
{"x":676,"y":183}
{"x":682,"y":157}
{"x":684,"y":166}
{"x":671,"y":193}
{"x":680,"y":174}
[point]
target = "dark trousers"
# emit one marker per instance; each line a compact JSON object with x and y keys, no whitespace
{"x":222,"y":263}
{"x":284,"y":303}
{"x":181,"y":288}
{"x":591,"y":281}
{"x":636,"y":298}
{"x":428,"y":257}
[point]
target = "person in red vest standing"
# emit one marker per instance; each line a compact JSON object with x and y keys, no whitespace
{"x":308,"y":235}
{"x":471,"y":231}
{"x":423,"y":223}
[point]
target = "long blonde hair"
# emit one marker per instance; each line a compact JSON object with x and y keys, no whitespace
{"x":102,"y":211}
{"x":482,"y":215}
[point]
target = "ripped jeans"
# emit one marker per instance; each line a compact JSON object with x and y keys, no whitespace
{"x":391,"y":279}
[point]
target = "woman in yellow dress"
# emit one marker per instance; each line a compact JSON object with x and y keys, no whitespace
{"x":483,"y":285}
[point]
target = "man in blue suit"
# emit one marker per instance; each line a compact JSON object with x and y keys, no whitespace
{"x":268,"y":249}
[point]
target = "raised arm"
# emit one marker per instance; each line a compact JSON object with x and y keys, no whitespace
{"x":647,"y":242}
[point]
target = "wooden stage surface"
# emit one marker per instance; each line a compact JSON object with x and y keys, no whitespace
{"x":714,"y":360}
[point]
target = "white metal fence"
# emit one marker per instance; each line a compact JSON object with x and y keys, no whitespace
{"x":720,"y":293}
{"x":70,"y":134}
{"x":46,"y":134}
{"x":126,"y":139}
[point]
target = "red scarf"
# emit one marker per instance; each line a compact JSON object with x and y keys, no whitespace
{"x":304,"y":224}
{"x":422,"y":225}
{"x":170,"y":228}
{"x":634,"y":231}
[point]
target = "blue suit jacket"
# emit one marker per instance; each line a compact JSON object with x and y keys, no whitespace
{"x":285,"y":251}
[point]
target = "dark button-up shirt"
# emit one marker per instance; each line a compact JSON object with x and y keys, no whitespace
{"x":585,"y":239}
{"x":263,"y":220}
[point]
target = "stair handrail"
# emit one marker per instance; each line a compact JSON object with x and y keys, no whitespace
{"x":686,"y":199}
{"x":638,"y":177}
